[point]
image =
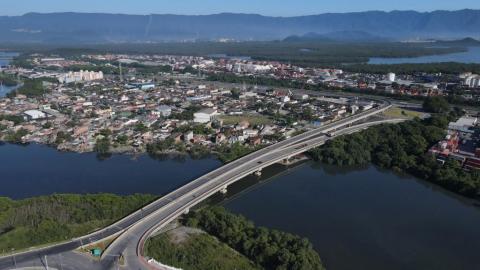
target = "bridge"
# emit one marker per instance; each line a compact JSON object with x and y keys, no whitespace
{"x":132,"y":231}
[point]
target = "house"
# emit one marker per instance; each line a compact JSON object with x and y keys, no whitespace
{"x":204,"y":116}
{"x":34,"y":115}
{"x":464,"y":124}
{"x":188,"y":137}
{"x":220,"y":138}
{"x":250,"y":132}
{"x":164,"y":110}
{"x":255,"y":141}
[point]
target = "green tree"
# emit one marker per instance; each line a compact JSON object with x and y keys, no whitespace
{"x":436,"y":105}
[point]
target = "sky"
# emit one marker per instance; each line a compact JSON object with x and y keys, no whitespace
{"x":201,"y":7}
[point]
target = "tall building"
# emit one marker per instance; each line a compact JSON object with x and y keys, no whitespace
{"x":391,"y":77}
{"x":81,"y":76}
{"x":472,"y":80}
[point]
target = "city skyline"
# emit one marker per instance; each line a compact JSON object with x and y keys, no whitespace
{"x":194,"y":7}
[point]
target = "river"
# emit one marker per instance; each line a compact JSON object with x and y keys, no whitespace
{"x":356,"y":219}
{"x":368,"y":218}
{"x":470,"y":56}
{"x":35,"y":170}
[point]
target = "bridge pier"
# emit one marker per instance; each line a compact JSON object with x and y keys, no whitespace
{"x":258,"y":173}
{"x":187,"y":211}
{"x":287,"y":160}
{"x":224,"y":190}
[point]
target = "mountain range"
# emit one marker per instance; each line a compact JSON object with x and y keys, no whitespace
{"x":117,"y":28}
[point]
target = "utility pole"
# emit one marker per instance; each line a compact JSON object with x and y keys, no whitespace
{"x":14,"y":260}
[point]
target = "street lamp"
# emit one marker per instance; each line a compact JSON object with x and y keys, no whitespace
{"x":14,"y":260}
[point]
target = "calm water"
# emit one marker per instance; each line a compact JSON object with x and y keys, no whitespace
{"x":368,"y":219}
{"x":34,"y":170}
{"x":5,"y":90}
{"x":4,"y":56}
{"x":472,"y":56}
{"x":358,"y":219}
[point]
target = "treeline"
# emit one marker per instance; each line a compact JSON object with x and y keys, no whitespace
{"x":403,"y":148}
{"x":7,"y":79}
{"x":271,"y":249}
{"x":224,"y":152}
{"x":46,"y":219}
{"x":308,"y":53}
{"x":150,"y":69}
{"x":32,"y":87}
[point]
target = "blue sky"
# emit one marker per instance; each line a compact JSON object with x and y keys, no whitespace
{"x":265,"y":7}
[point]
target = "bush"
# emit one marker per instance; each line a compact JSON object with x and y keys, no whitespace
{"x":271,"y":249}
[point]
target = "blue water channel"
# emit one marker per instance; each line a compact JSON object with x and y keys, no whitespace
{"x":362,"y":218}
{"x":468,"y":57}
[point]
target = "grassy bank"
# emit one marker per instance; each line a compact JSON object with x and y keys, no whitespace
{"x":195,"y":251}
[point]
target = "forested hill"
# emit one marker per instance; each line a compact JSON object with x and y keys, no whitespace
{"x":105,"y":28}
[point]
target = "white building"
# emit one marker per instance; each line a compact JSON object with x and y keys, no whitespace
{"x":463,"y":124}
{"x":80,"y":76}
{"x":34,"y":115}
{"x":472,"y":80}
{"x":164,"y":110}
{"x":204,"y":116}
{"x":188,"y":137}
{"x":391,"y":77}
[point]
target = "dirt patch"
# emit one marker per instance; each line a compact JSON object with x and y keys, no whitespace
{"x":182,"y":234}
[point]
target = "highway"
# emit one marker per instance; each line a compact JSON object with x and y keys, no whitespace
{"x":134,"y":229}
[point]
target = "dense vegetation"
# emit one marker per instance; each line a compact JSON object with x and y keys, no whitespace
{"x":269,"y":248}
{"x":14,"y":118}
{"x":15,"y":136}
{"x":31,"y":88}
{"x":227,"y":153}
{"x":306,"y":53}
{"x":403,"y":148}
{"x":436,"y":105}
{"x":198,"y":252}
{"x":7,"y":79}
{"x":224,"y":152}
{"x":46,"y":219}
